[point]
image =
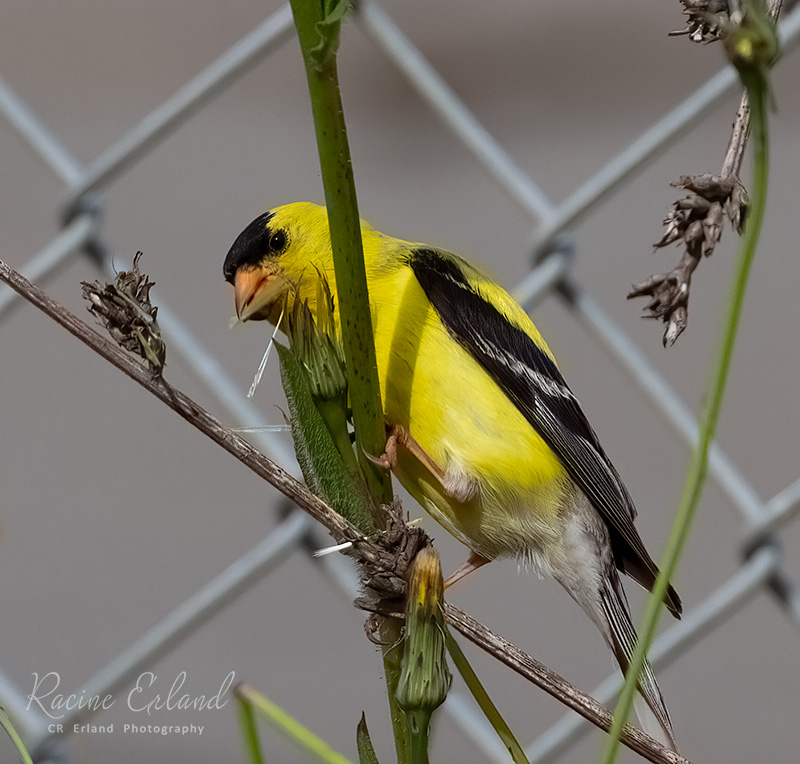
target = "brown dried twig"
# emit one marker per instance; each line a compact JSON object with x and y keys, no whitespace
{"x":192,"y":412}
{"x":696,"y":220}
{"x":376,"y":553}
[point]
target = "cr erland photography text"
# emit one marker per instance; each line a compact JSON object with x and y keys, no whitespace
{"x":148,"y":696}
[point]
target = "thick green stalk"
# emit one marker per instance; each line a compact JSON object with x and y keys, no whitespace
{"x":698,"y":468}
{"x":318,"y":23}
{"x":318,"y":40}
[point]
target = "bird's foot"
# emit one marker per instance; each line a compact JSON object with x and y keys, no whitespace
{"x":398,"y":436}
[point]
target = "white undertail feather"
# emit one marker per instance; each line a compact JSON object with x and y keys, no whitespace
{"x":585,"y":567}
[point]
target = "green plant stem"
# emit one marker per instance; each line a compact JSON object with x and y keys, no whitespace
{"x":319,"y":38}
{"x":420,"y":741}
{"x":483,"y":700}
{"x":696,"y":476}
{"x":345,"y":229}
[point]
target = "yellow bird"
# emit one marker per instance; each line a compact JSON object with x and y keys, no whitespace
{"x":483,"y":430}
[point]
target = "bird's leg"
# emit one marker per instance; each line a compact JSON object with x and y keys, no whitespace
{"x":474,"y":562}
{"x":400,"y":436}
{"x":457,"y":485}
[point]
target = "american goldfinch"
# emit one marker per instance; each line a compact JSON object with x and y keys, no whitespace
{"x":483,"y":430}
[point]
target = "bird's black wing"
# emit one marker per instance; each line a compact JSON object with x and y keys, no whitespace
{"x":532,"y":381}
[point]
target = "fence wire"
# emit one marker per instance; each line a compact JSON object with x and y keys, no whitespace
{"x":551,"y":243}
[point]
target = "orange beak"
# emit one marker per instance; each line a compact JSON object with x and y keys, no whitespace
{"x":257,"y":292}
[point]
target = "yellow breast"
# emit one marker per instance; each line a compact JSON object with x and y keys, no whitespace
{"x":432,"y":387}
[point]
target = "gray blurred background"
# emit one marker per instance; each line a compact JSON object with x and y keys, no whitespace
{"x":113,"y":510}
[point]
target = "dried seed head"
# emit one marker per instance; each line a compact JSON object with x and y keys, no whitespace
{"x":712,"y":229}
{"x":124,"y":308}
{"x":696,"y":221}
{"x":737,"y":206}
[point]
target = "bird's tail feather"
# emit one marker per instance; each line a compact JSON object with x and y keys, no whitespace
{"x":653,"y":714}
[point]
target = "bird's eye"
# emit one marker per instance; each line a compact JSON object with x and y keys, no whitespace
{"x":277,"y":241}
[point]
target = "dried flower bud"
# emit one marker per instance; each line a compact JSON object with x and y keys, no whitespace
{"x":737,"y":207}
{"x":696,"y":220}
{"x":693,"y":237}
{"x":712,"y":228}
{"x":707,"y":186}
{"x":125,"y":310}
{"x":674,"y":224}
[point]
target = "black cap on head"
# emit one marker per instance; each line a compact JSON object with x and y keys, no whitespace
{"x":250,"y":247}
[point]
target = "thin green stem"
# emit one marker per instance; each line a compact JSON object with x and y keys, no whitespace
{"x":698,"y":468}
{"x":489,"y":709}
{"x":5,"y":722}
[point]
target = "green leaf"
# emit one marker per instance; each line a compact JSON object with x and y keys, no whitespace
{"x":329,"y":30}
{"x":324,"y":470}
{"x":289,"y":726}
{"x":249,"y":730}
{"x":335,"y":10}
{"x":366,"y":752}
{"x":483,"y":700}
